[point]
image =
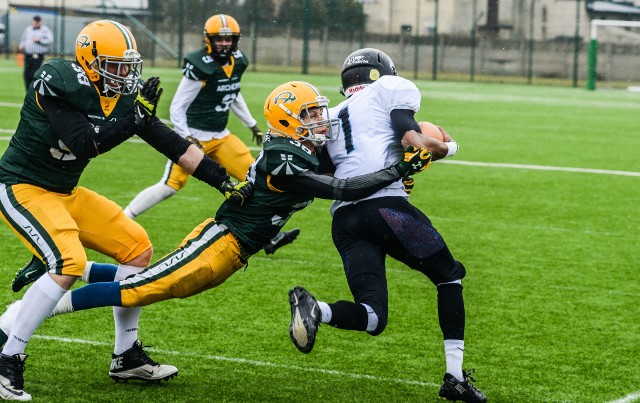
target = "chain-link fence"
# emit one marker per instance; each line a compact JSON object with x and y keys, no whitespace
{"x":272,"y":45}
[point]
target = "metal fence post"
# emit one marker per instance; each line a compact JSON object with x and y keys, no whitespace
{"x":434,"y":68}
{"x":576,"y":47}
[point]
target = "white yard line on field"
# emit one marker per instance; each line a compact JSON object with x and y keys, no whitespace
{"x":527,"y":166}
{"x":468,"y":163}
{"x":11,"y":104}
{"x":541,"y":167}
{"x":632,"y":397}
{"x":253,"y":362}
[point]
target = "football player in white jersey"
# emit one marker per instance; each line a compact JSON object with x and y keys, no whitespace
{"x":376,"y":123}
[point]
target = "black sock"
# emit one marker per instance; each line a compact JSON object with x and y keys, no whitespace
{"x":349,"y":316}
{"x":451,"y":311}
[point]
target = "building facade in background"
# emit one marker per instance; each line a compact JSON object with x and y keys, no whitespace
{"x":508,"y":19}
{"x":525,"y":38}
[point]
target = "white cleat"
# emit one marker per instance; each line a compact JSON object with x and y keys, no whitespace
{"x":135,"y":363}
{"x":11,"y":378}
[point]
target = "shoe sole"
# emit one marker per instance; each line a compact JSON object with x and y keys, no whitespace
{"x":8,"y":393}
{"x":125,"y":378}
{"x":300,"y":330}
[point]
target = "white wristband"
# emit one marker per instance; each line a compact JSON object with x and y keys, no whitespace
{"x":452,"y":148}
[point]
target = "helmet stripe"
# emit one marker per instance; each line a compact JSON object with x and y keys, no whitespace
{"x":314,"y":89}
{"x":125,"y":32}
{"x":223,"y":18}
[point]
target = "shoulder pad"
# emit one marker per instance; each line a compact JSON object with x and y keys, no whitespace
{"x":241,"y":58}
{"x":288,"y":157}
{"x":399,"y":93}
{"x":58,"y":77}
{"x":199,"y":65}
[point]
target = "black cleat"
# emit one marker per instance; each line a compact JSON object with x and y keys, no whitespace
{"x":305,"y":319}
{"x":453,"y":389}
{"x":280,"y":240}
{"x":28,"y":274}
{"x":135,"y":363}
{"x":11,"y":377}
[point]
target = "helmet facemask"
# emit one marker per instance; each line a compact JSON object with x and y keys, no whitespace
{"x":317,"y":131}
{"x":120,"y":75}
{"x":217,"y":27}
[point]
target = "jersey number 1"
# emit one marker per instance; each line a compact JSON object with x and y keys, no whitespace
{"x":343,"y":115}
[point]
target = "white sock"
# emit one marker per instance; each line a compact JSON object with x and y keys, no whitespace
{"x":37,"y":304}
{"x":325,"y":309}
{"x":453,"y":355}
{"x":148,"y":198}
{"x":87,"y":272}
{"x":63,"y":306}
{"x":125,"y":319}
{"x":372,"y":318}
{"x":125,"y":271}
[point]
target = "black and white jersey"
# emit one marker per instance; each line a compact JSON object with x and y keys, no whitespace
{"x":366,"y":141}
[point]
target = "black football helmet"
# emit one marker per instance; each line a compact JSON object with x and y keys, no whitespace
{"x":363,"y":67}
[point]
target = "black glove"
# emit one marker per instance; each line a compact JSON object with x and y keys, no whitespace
{"x":146,"y":102}
{"x":415,"y":160}
{"x":257,"y":135}
{"x":408,"y":183}
{"x":237,"y":193}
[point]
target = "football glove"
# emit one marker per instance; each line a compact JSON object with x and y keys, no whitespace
{"x":146,"y":101}
{"x":257,"y":135}
{"x":414,"y":160}
{"x":408,"y":183}
{"x":194,"y":141}
{"x":237,"y":193}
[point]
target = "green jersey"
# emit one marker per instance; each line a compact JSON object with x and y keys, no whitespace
{"x":36,"y":155}
{"x":209,"y":111}
{"x":269,"y":209}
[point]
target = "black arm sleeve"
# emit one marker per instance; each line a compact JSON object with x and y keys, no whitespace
{"x":82,"y":138}
{"x":173,"y":146}
{"x":164,"y":139}
{"x":403,"y":120}
{"x":210,"y":172}
{"x":328,"y":187}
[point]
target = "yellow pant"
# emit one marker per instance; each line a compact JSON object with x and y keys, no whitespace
{"x":230,"y":152}
{"x":57,"y":227}
{"x":208,"y":256}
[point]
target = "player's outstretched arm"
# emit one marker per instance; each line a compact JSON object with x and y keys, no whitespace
{"x":188,"y":156}
{"x":357,"y":187}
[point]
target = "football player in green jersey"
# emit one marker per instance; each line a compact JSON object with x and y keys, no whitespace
{"x":285,"y":180}
{"x":73,"y":112}
{"x":208,"y":91}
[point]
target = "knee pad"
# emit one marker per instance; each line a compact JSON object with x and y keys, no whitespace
{"x":460,"y":270}
{"x":455,"y":273}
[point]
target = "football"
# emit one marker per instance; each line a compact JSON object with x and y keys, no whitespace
{"x":431,"y":130}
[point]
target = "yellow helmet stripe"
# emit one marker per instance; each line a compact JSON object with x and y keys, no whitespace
{"x":125,"y":32}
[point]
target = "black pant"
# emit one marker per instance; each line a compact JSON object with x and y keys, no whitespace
{"x":366,"y":232}
{"x":31,"y":64}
